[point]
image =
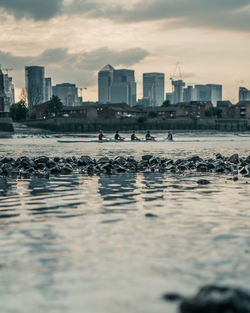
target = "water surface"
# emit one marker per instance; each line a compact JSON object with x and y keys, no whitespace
{"x":83,"y":244}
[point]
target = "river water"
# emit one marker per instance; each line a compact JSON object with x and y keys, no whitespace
{"x":83,"y":244}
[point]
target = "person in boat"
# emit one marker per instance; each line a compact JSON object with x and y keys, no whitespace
{"x":149,"y":136}
{"x":134,"y":137}
{"x":118,"y":137}
{"x":101,"y":136}
{"x":170,"y":136}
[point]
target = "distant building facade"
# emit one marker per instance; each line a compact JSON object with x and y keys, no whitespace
{"x":190,"y":94}
{"x":105,"y":80}
{"x":209,"y":92}
{"x":154,"y":88}
{"x":244,"y":94}
{"x":116,"y":86}
{"x":48,"y":88}
{"x":67,"y":93}
{"x":9,"y":91}
{"x":123,"y":88}
{"x":3,"y":97}
{"x":35,"y":84}
{"x":178,"y":91}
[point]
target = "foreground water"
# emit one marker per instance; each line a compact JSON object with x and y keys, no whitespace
{"x":83,"y":244}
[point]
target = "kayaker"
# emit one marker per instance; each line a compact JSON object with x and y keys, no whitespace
{"x":149,"y":136}
{"x":134,"y":137}
{"x":101,"y":136}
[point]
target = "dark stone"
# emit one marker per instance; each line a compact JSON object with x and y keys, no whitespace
{"x":56,"y":159}
{"x":203,"y":182}
{"x":202,"y":167}
{"x":120,"y":160}
{"x":40,"y":166}
{"x":195,"y":159}
{"x":234,"y":158}
{"x":103,"y":160}
{"x":214,"y":299}
{"x":219,"y":156}
{"x":150,"y":215}
{"x":172,"y":297}
{"x":147,"y":157}
{"x":42,"y":159}
{"x":243,"y":171}
{"x":55,"y":170}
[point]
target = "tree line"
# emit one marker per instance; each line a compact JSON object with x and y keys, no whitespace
{"x":20,"y":111}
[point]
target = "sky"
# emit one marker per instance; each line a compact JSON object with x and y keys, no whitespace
{"x":74,"y":39}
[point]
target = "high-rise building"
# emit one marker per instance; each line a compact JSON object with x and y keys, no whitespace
{"x":123,"y":87}
{"x":35,"y":84}
{"x":244,"y":94}
{"x":9,"y":91}
{"x":190,"y":94}
{"x":105,"y":80}
{"x":154,"y":88}
{"x":48,"y":89}
{"x":67,"y":93}
{"x":209,"y":92}
{"x":3,"y":98}
{"x":116,"y":86}
{"x":178,"y":92}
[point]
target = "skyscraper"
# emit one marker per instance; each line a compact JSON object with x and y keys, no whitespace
{"x":209,"y":92}
{"x":3,"y":98}
{"x":154,"y":88}
{"x":190,"y":94}
{"x":178,"y":92}
{"x":9,"y":91}
{"x":105,"y":80}
{"x":67,"y":93}
{"x":48,"y":89}
{"x":244,"y":94}
{"x":35,"y":84}
{"x":123,"y":87}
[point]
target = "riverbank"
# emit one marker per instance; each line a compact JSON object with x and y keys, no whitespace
{"x":76,"y":125}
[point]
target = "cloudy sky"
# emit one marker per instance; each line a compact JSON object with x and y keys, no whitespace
{"x":73,"y":39}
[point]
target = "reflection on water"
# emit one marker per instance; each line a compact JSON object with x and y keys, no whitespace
{"x":84,"y":244}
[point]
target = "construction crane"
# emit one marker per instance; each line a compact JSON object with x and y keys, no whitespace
{"x":7,"y":70}
{"x":177,"y":72}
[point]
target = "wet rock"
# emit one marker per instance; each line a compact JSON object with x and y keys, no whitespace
{"x":203,"y":182}
{"x":202,"y":167}
{"x":120,"y":160}
{"x":195,"y":159}
{"x":219,"y":156}
{"x":243,"y":171}
{"x":56,"y":170}
{"x":56,"y":159}
{"x":151,"y":215}
{"x":147,"y":157}
{"x":213,"y":299}
{"x":42,"y":159}
{"x":234,"y":158}
{"x":40,"y":166}
{"x":103,"y":160}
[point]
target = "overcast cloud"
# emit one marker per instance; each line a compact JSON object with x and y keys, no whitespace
{"x":80,"y":66}
{"x":74,"y":39}
{"x":225,"y":14}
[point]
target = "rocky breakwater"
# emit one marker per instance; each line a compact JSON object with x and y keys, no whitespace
{"x":44,"y":166}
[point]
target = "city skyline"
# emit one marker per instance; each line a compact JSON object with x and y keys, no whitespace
{"x":74,"y":39}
